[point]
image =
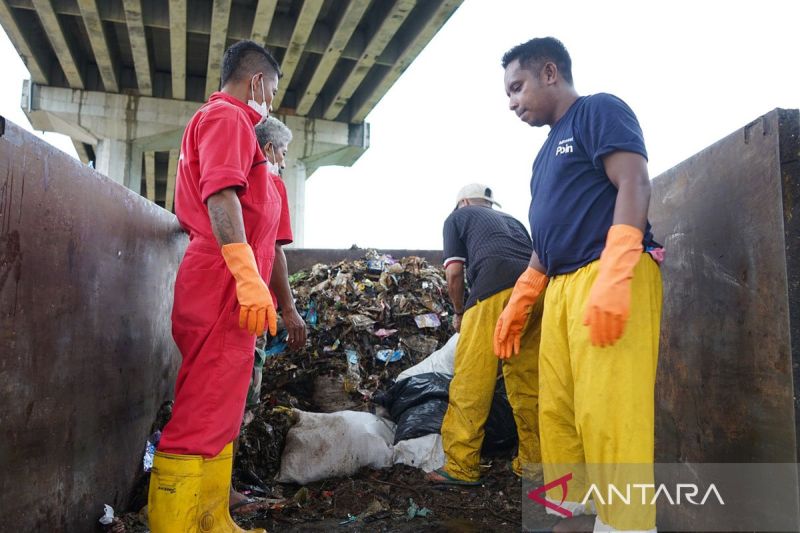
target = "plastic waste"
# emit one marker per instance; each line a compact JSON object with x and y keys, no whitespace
{"x":108,"y":515}
{"x":352,"y":379}
{"x":389,"y":355}
{"x":150,"y":451}
{"x":418,"y":405}
{"x":414,"y":510}
{"x":254,"y":389}
{"x":429,"y":320}
{"x":375,"y":266}
{"x":350,"y":520}
{"x":311,"y":314}
{"x":278,"y":344}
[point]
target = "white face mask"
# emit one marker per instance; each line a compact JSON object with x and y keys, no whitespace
{"x":262,"y":108}
{"x":274,"y":168}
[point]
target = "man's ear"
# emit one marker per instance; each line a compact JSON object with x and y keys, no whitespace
{"x":550,"y":73}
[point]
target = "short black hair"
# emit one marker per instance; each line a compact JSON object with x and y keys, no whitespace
{"x":246,"y":58}
{"x":537,"y":51}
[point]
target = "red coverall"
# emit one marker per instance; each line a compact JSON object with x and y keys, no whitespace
{"x":219,"y":150}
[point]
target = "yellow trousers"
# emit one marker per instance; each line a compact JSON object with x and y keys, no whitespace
{"x":472,"y":389}
{"x":597,"y":404}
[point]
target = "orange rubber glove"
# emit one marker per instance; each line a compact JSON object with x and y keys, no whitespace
{"x":256,"y":309}
{"x":610,"y":298}
{"x":508,"y":332}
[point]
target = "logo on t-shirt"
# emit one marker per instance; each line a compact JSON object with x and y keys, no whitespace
{"x":564,"y":146}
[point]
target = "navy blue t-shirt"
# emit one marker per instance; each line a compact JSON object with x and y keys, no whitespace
{"x":572,"y":199}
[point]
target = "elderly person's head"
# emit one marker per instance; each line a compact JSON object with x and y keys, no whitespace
{"x":274,"y":138}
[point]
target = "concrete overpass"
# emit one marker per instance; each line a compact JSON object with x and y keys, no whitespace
{"x":123,"y":77}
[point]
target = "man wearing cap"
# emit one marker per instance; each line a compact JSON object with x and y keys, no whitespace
{"x":494,"y":248}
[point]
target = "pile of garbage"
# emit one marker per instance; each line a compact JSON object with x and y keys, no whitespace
{"x":380,"y":342}
{"x":368,"y":320}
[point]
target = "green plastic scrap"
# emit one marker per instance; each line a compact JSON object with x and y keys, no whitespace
{"x":415,"y":510}
{"x":297,"y":277}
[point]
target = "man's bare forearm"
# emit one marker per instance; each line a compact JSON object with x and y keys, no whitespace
{"x":455,"y":285}
{"x":225,"y":212}
{"x":279,"y":282}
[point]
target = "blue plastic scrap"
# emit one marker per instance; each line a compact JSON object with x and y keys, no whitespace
{"x":350,"y":520}
{"x":311,"y":314}
{"x":277,"y":345}
{"x":389,"y":355}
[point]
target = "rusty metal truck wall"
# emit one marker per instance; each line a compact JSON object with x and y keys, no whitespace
{"x":725,"y":388}
{"x":86,"y":355}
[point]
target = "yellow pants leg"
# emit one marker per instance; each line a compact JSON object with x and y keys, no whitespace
{"x":597,"y":404}
{"x":521,"y":374}
{"x":562,"y":447}
{"x":615,"y":395}
{"x":472,"y":388}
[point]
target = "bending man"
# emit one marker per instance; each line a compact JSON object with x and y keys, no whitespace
{"x":494,"y":248}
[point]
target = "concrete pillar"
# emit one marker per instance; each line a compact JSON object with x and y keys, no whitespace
{"x":113,"y":159}
{"x":121,"y":161}
{"x":294,"y":176}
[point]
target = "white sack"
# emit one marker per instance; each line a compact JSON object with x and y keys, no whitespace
{"x":325,"y":445}
{"x":425,"y":453}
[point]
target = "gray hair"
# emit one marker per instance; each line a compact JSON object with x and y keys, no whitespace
{"x":274,"y":131}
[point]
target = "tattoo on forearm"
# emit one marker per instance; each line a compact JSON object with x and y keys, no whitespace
{"x":222,"y":224}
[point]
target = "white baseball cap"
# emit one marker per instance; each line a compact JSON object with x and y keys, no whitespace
{"x":476,"y":190}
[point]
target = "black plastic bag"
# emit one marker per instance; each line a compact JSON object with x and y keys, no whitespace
{"x":420,"y":420}
{"x":414,"y":391}
{"x":418,"y":404}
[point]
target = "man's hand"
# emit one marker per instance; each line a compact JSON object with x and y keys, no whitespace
{"x":255,"y":302}
{"x":508,"y":332}
{"x":609,"y":305}
{"x":457,"y":322}
{"x":295,"y":327}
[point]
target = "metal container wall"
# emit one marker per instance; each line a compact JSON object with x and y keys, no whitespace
{"x":86,"y":354}
{"x":729,"y":363}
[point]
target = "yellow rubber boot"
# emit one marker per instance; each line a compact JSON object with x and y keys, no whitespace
{"x":174,"y":494}
{"x":215,"y":493}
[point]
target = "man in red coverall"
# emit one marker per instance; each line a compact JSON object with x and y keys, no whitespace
{"x":230,"y":209}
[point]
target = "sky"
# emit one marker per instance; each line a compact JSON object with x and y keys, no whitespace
{"x":693,"y":72}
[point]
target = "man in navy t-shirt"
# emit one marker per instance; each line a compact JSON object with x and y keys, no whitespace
{"x":590,"y":193}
